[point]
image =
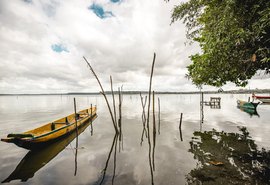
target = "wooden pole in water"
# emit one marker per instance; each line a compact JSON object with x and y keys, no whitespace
{"x":91,"y":116}
{"x":120,"y":117}
{"x":76,"y":149}
{"x":180,"y":126}
{"x":75,"y":117}
{"x":202,"y":98}
{"x":158,"y":116}
{"x":103,"y":93}
{"x":154,"y":132}
{"x":114,"y":109}
{"x":148,"y":114}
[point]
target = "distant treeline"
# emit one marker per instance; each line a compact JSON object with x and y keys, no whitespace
{"x":241,"y":91}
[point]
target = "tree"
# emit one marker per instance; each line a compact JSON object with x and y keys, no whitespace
{"x":234,"y":36}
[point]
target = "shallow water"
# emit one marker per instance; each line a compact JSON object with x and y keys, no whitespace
{"x":189,"y":161}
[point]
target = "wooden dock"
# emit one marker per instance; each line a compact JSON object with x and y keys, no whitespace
{"x":214,"y":102}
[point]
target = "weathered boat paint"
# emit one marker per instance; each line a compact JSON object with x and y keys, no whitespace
{"x":247,"y":105}
{"x":50,"y":132}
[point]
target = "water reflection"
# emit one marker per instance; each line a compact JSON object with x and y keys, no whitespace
{"x":36,"y":159}
{"x":231,"y":155}
{"x":251,"y":112}
{"x":201,"y":112}
{"x":114,"y":146}
{"x":143,"y":102}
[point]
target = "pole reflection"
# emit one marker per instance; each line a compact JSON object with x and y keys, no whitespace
{"x":113,"y":146}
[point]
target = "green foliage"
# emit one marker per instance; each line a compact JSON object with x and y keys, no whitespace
{"x":234,"y":36}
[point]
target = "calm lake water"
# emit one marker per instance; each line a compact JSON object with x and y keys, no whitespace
{"x":229,"y":146}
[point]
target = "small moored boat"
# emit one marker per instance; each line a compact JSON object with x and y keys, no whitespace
{"x":247,"y":105}
{"x":51,"y":131}
{"x":34,"y":160}
{"x":264,"y":99}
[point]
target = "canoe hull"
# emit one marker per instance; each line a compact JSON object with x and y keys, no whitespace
{"x":34,"y":160}
{"x":264,"y":99}
{"x":58,"y":132}
{"x":38,"y":143}
{"x":246,"y":105}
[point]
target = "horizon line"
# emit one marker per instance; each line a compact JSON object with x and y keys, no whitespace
{"x":143,"y":92}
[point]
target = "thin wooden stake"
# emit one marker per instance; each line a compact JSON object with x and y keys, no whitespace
{"x":158,"y":116}
{"x":114,"y":109}
{"x":154,"y":132}
{"x":91,"y":119}
{"x":120,"y":118}
{"x":149,"y":92}
{"x":103,"y":93}
{"x":180,"y":126}
{"x":122,"y":137}
{"x":148,"y":113}
{"x":76,"y":124}
{"x":201,"y":111}
{"x":75,"y":117}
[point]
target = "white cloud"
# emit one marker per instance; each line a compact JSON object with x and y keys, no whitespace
{"x":121,"y":46}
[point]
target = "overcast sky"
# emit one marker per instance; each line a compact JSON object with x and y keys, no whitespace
{"x":42,"y":44}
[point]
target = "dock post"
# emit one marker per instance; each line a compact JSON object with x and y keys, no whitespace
{"x":76,"y":149}
{"x":180,"y":125}
{"x":75,"y":116}
{"x":91,"y":117}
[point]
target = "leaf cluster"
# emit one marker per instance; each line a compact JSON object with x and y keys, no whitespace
{"x":234,"y":36}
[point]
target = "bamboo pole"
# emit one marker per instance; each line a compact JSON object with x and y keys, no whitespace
{"x":114,"y":109}
{"x":180,"y":126}
{"x":149,"y":92}
{"x":122,"y":137}
{"x":120,"y":118}
{"x":76,"y":124}
{"x":158,"y":116}
{"x":120,"y":112}
{"x":103,"y":93}
{"x":148,"y":113}
{"x":75,"y":117}
{"x":201,"y":111}
{"x":154,"y":132}
{"x":91,"y":119}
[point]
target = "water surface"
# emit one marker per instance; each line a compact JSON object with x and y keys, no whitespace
{"x":232,"y":150}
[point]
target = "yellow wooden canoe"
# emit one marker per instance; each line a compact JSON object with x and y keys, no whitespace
{"x":36,"y":159}
{"x":51,"y":131}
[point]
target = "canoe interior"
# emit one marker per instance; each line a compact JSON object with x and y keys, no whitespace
{"x":68,"y":121}
{"x":60,"y":122}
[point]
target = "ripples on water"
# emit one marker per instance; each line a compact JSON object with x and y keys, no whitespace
{"x":231,"y":145}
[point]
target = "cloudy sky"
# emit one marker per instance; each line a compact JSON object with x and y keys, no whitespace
{"x":43,"y":43}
